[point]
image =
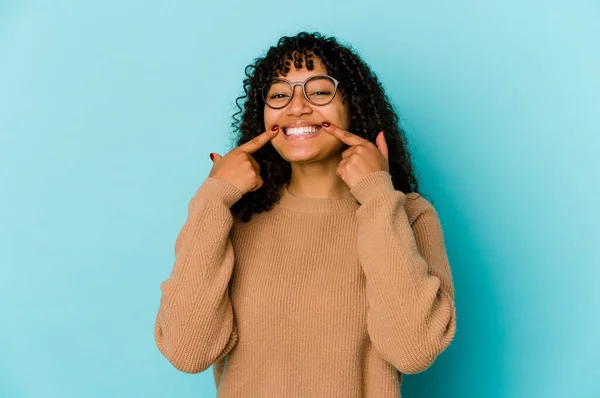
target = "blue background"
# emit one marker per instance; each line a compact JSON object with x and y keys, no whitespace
{"x":109,"y":110}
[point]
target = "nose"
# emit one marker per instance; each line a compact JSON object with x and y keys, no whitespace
{"x":298,"y":105}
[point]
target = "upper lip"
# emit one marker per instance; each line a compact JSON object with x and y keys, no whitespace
{"x":300,"y":123}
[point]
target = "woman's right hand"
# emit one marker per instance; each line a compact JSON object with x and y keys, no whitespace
{"x":238,"y":167}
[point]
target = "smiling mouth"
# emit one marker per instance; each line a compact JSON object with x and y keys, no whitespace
{"x":304,"y":130}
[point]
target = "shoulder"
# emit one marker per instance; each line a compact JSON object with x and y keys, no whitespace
{"x":416,"y":206}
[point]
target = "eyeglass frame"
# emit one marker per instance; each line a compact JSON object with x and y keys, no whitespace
{"x":301,"y":84}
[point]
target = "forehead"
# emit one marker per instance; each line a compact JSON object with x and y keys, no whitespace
{"x":302,"y":73}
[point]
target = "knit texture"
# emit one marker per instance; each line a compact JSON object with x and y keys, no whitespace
{"x":314,"y":298}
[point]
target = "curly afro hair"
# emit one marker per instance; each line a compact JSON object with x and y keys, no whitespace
{"x":370,"y":112}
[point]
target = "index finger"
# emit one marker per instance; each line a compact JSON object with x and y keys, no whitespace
{"x":258,"y":142}
{"x":345,"y":136}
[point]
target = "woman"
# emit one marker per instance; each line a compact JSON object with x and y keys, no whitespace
{"x":309,"y":264}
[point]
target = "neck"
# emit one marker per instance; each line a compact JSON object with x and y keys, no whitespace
{"x":316,"y":181}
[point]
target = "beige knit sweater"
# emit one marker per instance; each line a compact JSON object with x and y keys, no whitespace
{"x":314,"y":298}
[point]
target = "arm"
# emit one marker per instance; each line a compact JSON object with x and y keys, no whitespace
{"x":195,"y":326}
{"x":409,"y":288}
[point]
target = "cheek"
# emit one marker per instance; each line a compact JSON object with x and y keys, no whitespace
{"x":270,"y":116}
{"x":345,"y":117}
{"x":341,"y":116}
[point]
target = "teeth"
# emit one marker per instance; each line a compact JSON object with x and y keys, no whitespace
{"x":301,"y":130}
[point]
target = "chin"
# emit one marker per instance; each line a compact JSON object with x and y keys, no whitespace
{"x":299,"y":153}
{"x":296,"y":158}
{"x":299,"y":157}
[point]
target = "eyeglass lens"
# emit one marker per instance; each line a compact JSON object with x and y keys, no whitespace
{"x":319,"y":90}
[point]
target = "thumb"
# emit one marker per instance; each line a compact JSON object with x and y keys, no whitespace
{"x":215,"y":157}
{"x":382,"y":144}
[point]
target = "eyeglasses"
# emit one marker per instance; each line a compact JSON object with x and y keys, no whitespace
{"x":318,"y":90}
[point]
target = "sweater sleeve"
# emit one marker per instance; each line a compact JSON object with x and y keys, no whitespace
{"x":195,"y":325}
{"x":409,"y":288}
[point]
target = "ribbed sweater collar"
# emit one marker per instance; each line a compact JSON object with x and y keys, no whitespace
{"x":300,"y":204}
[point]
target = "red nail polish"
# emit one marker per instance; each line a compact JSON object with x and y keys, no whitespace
{"x":212,"y":157}
{"x":274,"y":128}
{"x":325,"y":124}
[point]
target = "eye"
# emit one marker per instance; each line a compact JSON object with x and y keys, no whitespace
{"x":277,"y":96}
{"x":321,"y":93}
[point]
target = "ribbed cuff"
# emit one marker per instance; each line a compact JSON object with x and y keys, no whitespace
{"x":372,"y":184}
{"x":216,"y":188}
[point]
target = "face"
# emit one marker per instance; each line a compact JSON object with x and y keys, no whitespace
{"x":314,"y":147}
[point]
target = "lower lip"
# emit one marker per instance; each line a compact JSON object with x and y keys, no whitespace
{"x":302,"y":137}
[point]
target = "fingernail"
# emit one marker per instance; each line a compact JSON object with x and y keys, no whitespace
{"x":274,"y":128}
{"x":212,"y":157}
{"x":325,"y":124}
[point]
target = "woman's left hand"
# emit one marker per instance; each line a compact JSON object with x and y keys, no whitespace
{"x":362,"y":158}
